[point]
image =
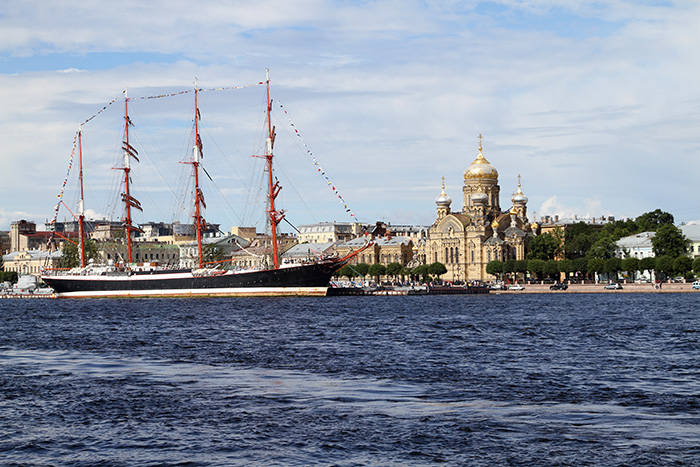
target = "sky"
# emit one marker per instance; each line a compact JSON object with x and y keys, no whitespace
{"x":594,"y":103}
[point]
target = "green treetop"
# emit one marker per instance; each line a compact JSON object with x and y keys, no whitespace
{"x":669,"y":241}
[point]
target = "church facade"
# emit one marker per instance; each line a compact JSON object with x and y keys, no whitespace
{"x":465,"y":241}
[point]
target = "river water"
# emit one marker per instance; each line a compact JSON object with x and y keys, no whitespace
{"x":480,"y":380}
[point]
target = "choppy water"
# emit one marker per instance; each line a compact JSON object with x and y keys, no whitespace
{"x":478,"y":380}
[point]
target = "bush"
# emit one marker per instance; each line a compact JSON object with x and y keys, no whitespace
{"x":8,"y":276}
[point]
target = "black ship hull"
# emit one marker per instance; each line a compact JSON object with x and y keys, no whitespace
{"x":303,"y":280}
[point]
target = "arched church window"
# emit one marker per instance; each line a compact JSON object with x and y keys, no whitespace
{"x":472,"y":256}
{"x":447,"y":255}
{"x":489,"y":255}
{"x":456,"y":254}
{"x":452,"y":255}
{"x":435,"y":257}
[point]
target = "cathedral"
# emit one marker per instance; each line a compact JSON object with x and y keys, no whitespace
{"x":466,"y":241}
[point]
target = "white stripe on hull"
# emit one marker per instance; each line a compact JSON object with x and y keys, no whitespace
{"x":222,"y":292}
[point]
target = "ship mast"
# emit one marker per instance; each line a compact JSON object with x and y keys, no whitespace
{"x":129,"y":201}
{"x":198,"y":196}
{"x":275,"y":216}
{"x":81,"y":206}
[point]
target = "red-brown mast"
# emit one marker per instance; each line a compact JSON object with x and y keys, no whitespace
{"x":198,"y":196}
{"x":81,"y":207}
{"x":275,"y":217}
{"x":129,"y":201}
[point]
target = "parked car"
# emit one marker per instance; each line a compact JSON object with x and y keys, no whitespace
{"x":696,"y":285}
{"x":558,"y":286}
{"x":516,"y":287}
{"x":613,"y":286}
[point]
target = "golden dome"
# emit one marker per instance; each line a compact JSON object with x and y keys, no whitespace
{"x":494,"y":224}
{"x":481,"y":168}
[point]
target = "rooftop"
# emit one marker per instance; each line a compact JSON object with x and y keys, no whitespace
{"x":640,"y":240}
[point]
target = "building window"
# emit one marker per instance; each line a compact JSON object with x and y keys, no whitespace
{"x":436,"y":257}
{"x":489,"y":255}
{"x":452,"y":255}
{"x":472,"y":256}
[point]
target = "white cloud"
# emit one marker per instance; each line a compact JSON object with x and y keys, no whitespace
{"x":389,"y":96}
{"x":589,"y":207}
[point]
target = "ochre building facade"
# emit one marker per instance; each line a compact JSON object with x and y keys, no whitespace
{"x":465,"y":241}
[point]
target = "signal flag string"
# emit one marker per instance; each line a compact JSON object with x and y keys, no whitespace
{"x":318,"y":166}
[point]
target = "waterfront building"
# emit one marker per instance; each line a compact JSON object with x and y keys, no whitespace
{"x":329,"y":232}
{"x":4,"y":242}
{"x":384,"y":250}
{"x":465,"y":241}
{"x":248,"y":233}
{"x":107,"y":231}
{"x":220,"y":247}
{"x":24,"y":236}
{"x":304,"y":252}
{"x":31,"y":261}
{"x":257,"y":252}
{"x":635,"y":246}
{"x":142,"y":252}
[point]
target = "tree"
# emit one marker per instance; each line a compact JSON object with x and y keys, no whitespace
{"x":566,"y":266}
{"x":578,"y":240}
{"x":603,"y":248}
{"x":620,"y":228}
{"x":437,"y":269}
{"x":377,"y":270}
{"x":394,"y":269}
{"x":696,"y":266}
{"x":420,"y":271}
{"x":612,"y":266}
{"x":536,"y":267}
{"x":669,"y":241}
{"x":631,"y":265}
{"x":362,"y":269}
{"x":682,"y":265}
{"x":543,"y":247}
{"x":70,"y":258}
{"x":664,"y":265}
{"x":580,"y":265}
{"x":8,"y":276}
{"x":651,"y":221}
{"x":521,"y":266}
{"x":647,"y":264}
{"x":510,"y":266}
{"x":495,"y":268}
{"x":346,"y":271}
{"x":595,"y":265}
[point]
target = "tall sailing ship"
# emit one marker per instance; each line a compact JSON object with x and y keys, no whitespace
{"x":122,"y":280}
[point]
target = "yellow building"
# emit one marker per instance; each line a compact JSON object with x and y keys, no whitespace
{"x":31,"y":261}
{"x":465,"y":241}
{"x":384,"y":250}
